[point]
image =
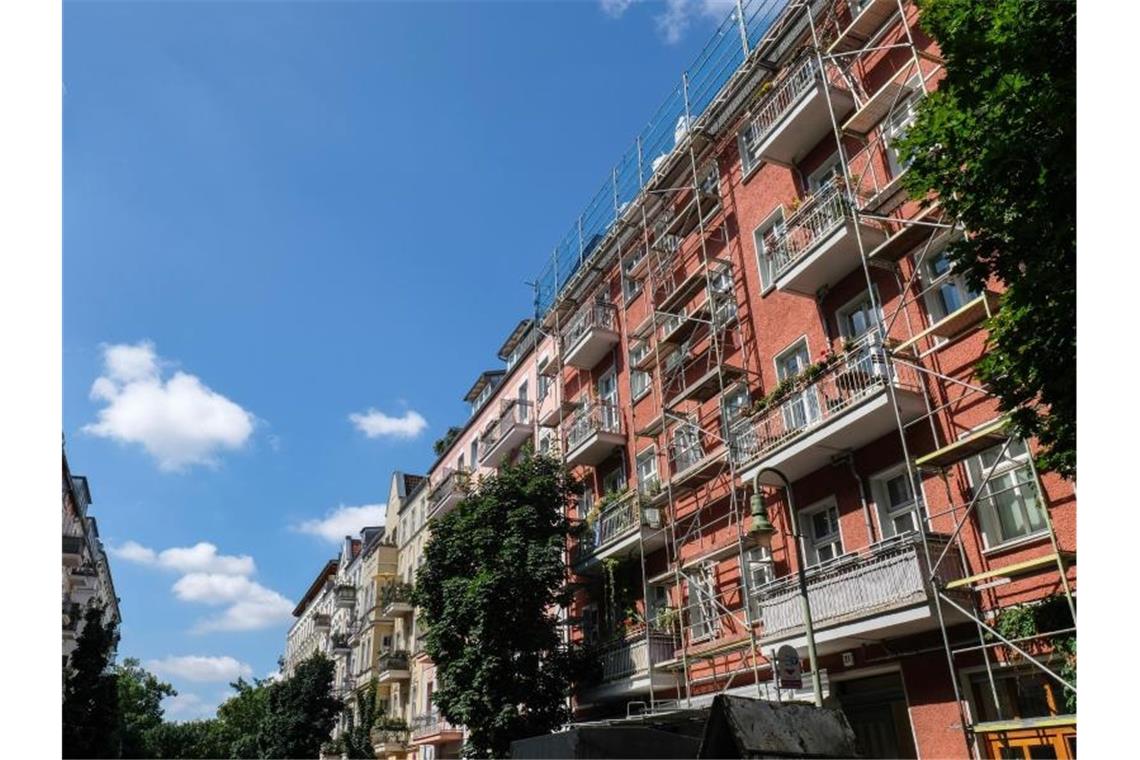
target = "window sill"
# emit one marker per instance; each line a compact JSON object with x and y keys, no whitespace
{"x":1015,"y":543}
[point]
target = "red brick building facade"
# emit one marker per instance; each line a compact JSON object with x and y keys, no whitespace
{"x":762,"y":301}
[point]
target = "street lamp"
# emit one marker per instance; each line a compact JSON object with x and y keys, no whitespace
{"x":763,"y":530}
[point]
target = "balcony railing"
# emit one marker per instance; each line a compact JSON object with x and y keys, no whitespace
{"x":389,"y":738}
{"x":321,"y":622}
{"x":621,"y":518}
{"x":595,"y":417}
{"x":453,"y":483}
{"x":508,"y":430}
{"x":344,"y":595}
{"x":889,"y":575}
{"x":430,"y":724}
{"x":778,"y":103}
{"x":72,"y":546}
{"x":340,"y":644}
{"x":630,"y":657}
{"x":824,"y":213}
{"x":598,"y":315}
{"x":392,"y":661}
{"x":862,"y":371}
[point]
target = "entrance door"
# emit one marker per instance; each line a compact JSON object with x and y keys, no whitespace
{"x":876,"y":709}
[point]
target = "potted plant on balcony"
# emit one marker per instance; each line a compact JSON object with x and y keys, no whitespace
{"x":666,"y":620}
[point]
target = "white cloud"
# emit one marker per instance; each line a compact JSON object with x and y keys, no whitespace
{"x":201,"y":668}
{"x":344,"y":521}
{"x":216,"y":580}
{"x":187,"y":706}
{"x":179,"y":421}
{"x":249,"y":605}
{"x":674,"y":21}
{"x":202,"y":557}
{"x":615,"y":8}
{"x":374,"y":424}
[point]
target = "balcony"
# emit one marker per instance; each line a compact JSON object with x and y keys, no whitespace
{"x":396,"y":600}
{"x":879,"y":593}
{"x":794,"y":117}
{"x":692,"y":463}
{"x":591,"y":334}
{"x":344,"y":596}
{"x":864,"y":25}
{"x":322,"y":623}
{"x":72,"y":615}
{"x":593,"y":433}
{"x":625,"y":667}
{"x":623,"y":526}
{"x":72,"y":550}
{"x":819,"y":243}
{"x":449,"y":490}
{"x":433,"y":728}
{"x":339,"y":644}
{"x":392,"y":667}
{"x":697,"y":376}
{"x":833,"y":407}
{"x":511,"y":429}
{"x":387,"y":741}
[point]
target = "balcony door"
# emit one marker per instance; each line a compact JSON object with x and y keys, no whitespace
{"x":608,"y":400}
{"x":801,"y":409}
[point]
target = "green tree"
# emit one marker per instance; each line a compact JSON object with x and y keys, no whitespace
{"x":90,"y":697}
{"x":997,"y":142}
{"x":140,"y":696}
{"x":242,"y":717}
{"x":191,"y":739}
{"x":493,"y":572}
{"x":301,"y":711}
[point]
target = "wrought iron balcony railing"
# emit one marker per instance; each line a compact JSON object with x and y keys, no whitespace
{"x":597,"y":315}
{"x":595,"y":417}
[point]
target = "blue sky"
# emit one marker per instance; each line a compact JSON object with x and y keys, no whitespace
{"x":278,"y":215}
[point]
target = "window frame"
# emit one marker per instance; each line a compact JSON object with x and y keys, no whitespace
{"x":763,"y":264}
{"x":810,"y":544}
{"x":988,"y":517}
{"x":881,"y":496}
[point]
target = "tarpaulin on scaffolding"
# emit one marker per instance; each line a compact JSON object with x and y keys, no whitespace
{"x":743,"y":727}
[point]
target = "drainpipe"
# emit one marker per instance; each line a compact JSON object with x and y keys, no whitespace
{"x":862,"y":498}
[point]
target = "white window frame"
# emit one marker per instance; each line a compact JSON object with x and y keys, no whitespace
{"x":649,"y":474}
{"x":700,"y":599}
{"x":881,"y":496}
{"x":829,"y":167}
{"x":757,"y":564}
{"x":640,"y":382}
{"x":932,"y":283}
{"x":763,"y":263}
{"x":853,"y":306}
{"x":988,"y":517}
{"x":812,"y":545}
{"x":806,"y":401}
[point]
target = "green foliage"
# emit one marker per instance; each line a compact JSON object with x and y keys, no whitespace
{"x":90,"y":696}
{"x":301,"y":711}
{"x":790,"y":385}
{"x":997,"y":142}
{"x":442,"y":444}
{"x":357,"y":742}
{"x":140,"y":696}
{"x":191,"y":739}
{"x":493,"y":573}
{"x":1052,"y":614}
{"x":242,"y":715}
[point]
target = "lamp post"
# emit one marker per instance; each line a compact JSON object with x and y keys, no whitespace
{"x":763,"y":530}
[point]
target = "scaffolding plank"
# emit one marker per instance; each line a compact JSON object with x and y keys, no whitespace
{"x":956,"y":322}
{"x":974,"y":443}
{"x":877,"y":106}
{"x":912,"y":233}
{"x":863,"y":26}
{"x":1009,"y":571}
{"x":1001,"y":726}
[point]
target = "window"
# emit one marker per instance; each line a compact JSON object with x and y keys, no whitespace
{"x":639,"y":383}
{"x":614,"y":481}
{"x":647,"y":478}
{"x":657,"y":601}
{"x":1022,"y":693}
{"x":820,"y":526}
{"x":701,"y":605}
{"x":608,"y":398}
{"x":800,"y":409}
{"x":459,"y":464}
{"x":585,"y":502}
{"x":734,"y":402}
{"x":544,"y":382}
{"x":686,"y":446}
{"x":943,"y":290}
{"x":631,"y":286}
{"x":857,"y":318}
{"x":590,"y":622}
{"x":724,"y":297}
{"x":758,"y":566}
{"x":894,"y":497}
{"x":772,"y":229}
{"x":524,"y":397}
{"x":896,"y":127}
{"x":474,"y":451}
{"x":822,"y":177}
{"x":1009,"y":506}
